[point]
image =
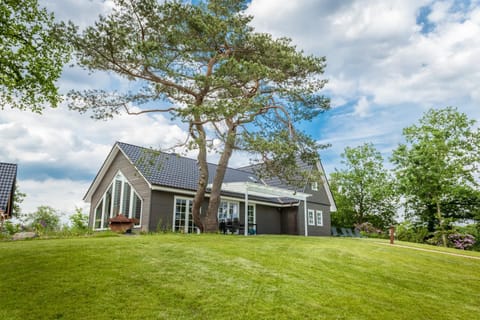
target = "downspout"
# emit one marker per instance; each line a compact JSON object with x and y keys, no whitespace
{"x":245,"y":228}
{"x":305,"y":216}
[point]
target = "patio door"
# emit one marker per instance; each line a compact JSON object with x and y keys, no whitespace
{"x":183,"y":215}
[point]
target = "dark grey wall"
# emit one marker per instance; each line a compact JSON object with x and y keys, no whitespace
{"x":314,"y":230}
{"x":161,"y":211}
{"x":320,"y":196}
{"x":268,"y":220}
{"x":317,"y":230}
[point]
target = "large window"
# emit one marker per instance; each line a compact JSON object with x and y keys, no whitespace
{"x":228,"y":212}
{"x":120,"y":198}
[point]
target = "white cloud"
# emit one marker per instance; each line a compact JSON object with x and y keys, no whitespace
{"x":63,"y":195}
{"x":362,"y":107}
{"x":377,"y":49}
{"x":82,"y":13}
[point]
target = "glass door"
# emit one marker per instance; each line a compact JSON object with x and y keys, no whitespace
{"x":183,"y":216}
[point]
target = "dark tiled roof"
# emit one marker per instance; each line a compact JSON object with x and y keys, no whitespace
{"x":8,"y":174}
{"x":171,"y":170}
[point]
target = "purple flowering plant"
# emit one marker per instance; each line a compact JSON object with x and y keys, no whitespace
{"x":462,"y":241}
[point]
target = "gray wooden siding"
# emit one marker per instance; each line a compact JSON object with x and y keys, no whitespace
{"x":320,"y":196}
{"x":161,"y":212}
{"x":134,"y":178}
{"x":315,"y":230}
{"x":268,"y":220}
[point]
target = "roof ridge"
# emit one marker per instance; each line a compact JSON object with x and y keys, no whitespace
{"x":9,"y":163}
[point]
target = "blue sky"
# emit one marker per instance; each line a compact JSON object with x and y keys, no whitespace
{"x":387,"y":63}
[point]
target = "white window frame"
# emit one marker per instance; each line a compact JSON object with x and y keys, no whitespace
{"x":314,"y":186}
{"x":254,"y":211}
{"x":119,"y":176}
{"x":253,"y":227}
{"x":311,"y":217}
{"x":319,"y":218}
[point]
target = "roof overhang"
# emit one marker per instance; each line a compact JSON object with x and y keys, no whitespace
{"x":255,"y":189}
{"x":326,"y":185}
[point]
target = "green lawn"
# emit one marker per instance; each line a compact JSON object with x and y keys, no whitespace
{"x":233,"y":277}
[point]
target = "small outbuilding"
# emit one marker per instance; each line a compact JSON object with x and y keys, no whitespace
{"x":8,"y":177}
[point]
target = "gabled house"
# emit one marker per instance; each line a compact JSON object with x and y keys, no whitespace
{"x":157,"y":189}
{"x":8,"y":176}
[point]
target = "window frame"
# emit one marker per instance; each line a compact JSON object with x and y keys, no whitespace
{"x":314,"y":186}
{"x":311,"y":214}
{"x":319,"y":213}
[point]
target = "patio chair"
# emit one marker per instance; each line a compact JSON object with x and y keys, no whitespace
{"x":357,"y":233}
{"x":350,"y":233}
{"x":344,"y":232}
{"x":334,"y":232}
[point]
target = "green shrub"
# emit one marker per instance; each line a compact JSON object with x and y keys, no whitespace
{"x":411,"y":232}
{"x":79,"y":222}
{"x":370,"y":231}
{"x":44,"y":220}
{"x":10,"y":228}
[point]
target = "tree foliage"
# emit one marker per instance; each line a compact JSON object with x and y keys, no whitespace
{"x":206,"y":66}
{"x":18,"y":198}
{"x":31,"y":56}
{"x":79,"y":220}
{"x":44,"y":219}
{"x":437,"y":167}
{"x":364,"y":189}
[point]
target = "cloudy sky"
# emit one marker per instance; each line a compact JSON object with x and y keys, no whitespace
{"x":388,"y":62}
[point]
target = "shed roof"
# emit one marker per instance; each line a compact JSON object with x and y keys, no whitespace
{"x":8,"y":175}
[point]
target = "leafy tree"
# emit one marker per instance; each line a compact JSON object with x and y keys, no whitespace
{"x":45,"y":219}
{"x":437,"y":168}
{"x":79,"y":220}
{"x":31,"y":56}
{"x":205,"y":65}
{"x":364,"y":189}
{"x":18,"y":198}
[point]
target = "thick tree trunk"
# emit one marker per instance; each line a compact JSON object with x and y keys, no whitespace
{"x":203,"y":178}
{"x":211,"y":221}
{"x":442,"y":226}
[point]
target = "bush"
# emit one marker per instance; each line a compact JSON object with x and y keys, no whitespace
{"x":411,"y":232}
{"x":461,"y":241}
{"x":45,"y":219}
{"x":79,"y":221}
{"x":368,"y":230}
{"x":10,"y":228}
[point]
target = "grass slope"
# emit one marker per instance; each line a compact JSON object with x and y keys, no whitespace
{"x":232,"y":277}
